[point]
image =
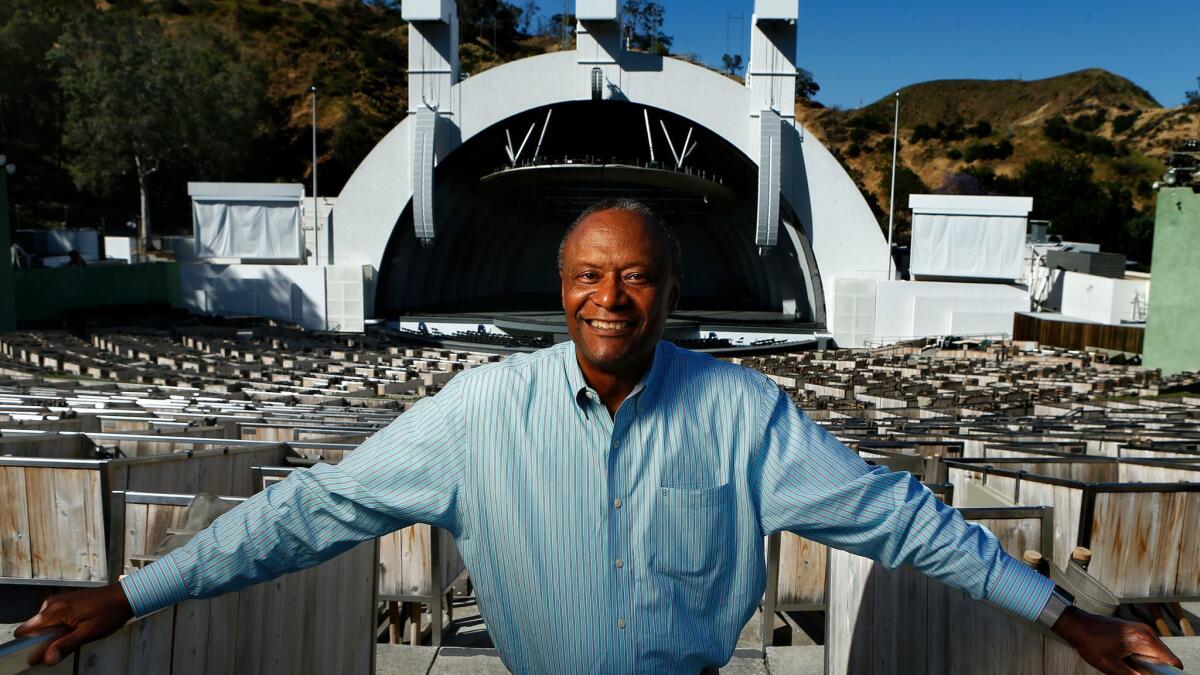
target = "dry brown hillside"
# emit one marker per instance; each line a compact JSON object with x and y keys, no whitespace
{"x":1121,"y":131}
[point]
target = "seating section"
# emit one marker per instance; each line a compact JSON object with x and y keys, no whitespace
{"x":1087,"y":467}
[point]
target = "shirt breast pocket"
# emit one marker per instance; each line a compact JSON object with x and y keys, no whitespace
{"x":693,"y":532}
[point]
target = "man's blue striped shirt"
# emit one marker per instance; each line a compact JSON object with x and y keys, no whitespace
{"x":598,"y":543}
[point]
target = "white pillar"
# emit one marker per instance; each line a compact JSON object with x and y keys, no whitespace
{"x":771,"y":77}
{"x":433,"y":65}
{"x":771,"y":73}
{"x":433,"y":70}
{"x":598,"y":44}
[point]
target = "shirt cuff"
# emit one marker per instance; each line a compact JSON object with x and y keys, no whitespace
{"x":155,"y":586}
{"x":1019,"y":589}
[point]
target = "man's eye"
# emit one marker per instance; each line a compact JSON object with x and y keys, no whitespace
{"x":589,"y":276}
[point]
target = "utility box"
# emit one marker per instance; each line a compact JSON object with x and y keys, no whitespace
{"x":776,"y":10}
{"x":1111,"y":265}
{"x":427,"y":10}
{"x":597,"y":10}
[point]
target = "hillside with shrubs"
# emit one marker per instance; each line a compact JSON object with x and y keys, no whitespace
{"x":1088,"y":146}
{"x":103,"y":100}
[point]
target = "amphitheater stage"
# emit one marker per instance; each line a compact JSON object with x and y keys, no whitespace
{"x":725,"y":333}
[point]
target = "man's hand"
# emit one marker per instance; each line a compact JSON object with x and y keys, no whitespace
{"x":87,"y":615}
{"x":1105,"y":642}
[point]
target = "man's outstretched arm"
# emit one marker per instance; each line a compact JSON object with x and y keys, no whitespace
{"x":408,"y":472}
{"x":808,"y":482}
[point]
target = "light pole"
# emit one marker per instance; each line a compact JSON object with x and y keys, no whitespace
{"x":316,"y":221}
{"x":892,"y":198}
{"x":8,"y":294}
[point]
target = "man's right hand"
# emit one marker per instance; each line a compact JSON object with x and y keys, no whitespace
{"x":1106,"y":643}
{"x":87,"y":615}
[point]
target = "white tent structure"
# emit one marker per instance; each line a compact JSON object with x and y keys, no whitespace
{"x":968,"y":237}
{"x":251,"y":260}
{"x":253,"y":222}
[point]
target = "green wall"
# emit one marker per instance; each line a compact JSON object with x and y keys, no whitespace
{"x":48,"y":295}
{"x":1173,"y":317}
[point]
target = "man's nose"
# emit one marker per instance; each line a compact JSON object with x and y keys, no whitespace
{"x":610,"y":293}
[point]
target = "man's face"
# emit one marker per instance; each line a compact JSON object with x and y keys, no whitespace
{"x":617,"y":289}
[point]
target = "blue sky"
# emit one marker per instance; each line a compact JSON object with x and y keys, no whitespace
{"x":862,"y":51}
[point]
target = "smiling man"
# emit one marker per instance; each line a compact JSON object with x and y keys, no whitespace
{"x":620,"y":280}
{"x":609,"y":495}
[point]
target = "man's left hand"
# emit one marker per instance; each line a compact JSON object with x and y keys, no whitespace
{"x":1105,"y":642}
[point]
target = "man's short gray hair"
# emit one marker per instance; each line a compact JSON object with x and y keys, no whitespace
{"x":674,"y":252}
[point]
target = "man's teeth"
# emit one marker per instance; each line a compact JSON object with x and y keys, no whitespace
{"x":610,"y":325}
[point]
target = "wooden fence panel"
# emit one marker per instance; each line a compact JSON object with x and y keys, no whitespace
{"x":1066,"y":500}
{"x":15,"y":556}
{"x":1187,"y":575}
{"x":48,"y":446}
{"x":801,"y":571}
{"x":415,"y":571}
{"x":900,"y":622}
{"x":105,"y":657}
{"x":43,"y":525}
{"x":190,"y":657}
{"x":1077,"y":335}
{"x":150,"y":644}
{"x":1136,"y":542}
{"x":1158,"y":473}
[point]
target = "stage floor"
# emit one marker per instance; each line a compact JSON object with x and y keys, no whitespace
{"x":730,"y":332}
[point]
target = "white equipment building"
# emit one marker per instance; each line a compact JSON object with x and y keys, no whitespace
{"x":249,"y":258}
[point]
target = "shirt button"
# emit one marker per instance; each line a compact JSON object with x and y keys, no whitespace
{"x":620,"y":563}
{"x":620,"y":623}
{"x":617,"y":503}
{"x":615,"y":444}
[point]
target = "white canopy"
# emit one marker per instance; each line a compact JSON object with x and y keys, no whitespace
{"x":968,"y":237}
{"x":247,"y":221}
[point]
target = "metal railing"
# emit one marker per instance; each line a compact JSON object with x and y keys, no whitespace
{"x":15,"y":654}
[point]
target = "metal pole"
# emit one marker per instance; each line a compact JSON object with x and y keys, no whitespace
{"x":542,"y":136}
{"x":562,"y":25}
{"x":892,"y":198}
{"x":8,"y":310}
{"x":649,"y":136}
{"x":316,"y":222}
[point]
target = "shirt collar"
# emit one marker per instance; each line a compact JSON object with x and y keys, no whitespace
{"x":649,"y":383}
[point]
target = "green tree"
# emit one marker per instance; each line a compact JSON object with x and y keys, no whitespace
{"x":31,"y":120}
{"x":1123,"y":123}
{"x":137,"y":101}
{"x":907,"y":183}
{"x":528,"y":17}
{"x":643,"y":26}
{"x":1193,"y":95}
{"x":485,"y":19}
{"x":806,"y":86}
{"x":732,"y":63}
{"x":1065,"y":192}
